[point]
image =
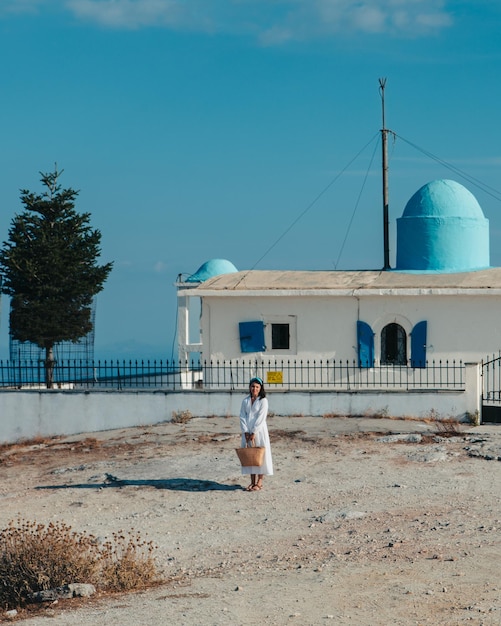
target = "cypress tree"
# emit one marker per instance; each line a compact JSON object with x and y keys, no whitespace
{"x":50,"y":269}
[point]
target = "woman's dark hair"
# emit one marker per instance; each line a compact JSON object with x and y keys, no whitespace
{"x":262,"y":392}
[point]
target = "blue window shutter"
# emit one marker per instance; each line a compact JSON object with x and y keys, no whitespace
{"x":365,"y":340}
{"x":251,"y":336}
{"x":418,"y":345}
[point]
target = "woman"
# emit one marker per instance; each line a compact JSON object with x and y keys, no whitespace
{"x":253,"y":414}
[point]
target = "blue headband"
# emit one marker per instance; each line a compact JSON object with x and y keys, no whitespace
{"x":256,"y":380}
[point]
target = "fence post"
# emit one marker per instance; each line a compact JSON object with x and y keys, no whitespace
{"x":473,"y":390}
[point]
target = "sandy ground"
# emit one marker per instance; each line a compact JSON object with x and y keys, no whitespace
{"x":355,"y":527}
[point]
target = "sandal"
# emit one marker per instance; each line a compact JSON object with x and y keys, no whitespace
{"x":258,"y":486}
{"x":250,"y":487}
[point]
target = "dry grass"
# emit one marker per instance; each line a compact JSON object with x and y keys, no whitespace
{"x":127,"y":563}
{"x":181,"y":417}
{"x":35,"y":557}
{"x":447,"y":428}
{"x":11,"y":453}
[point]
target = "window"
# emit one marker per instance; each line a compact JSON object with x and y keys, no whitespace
{"x":393,"y":345}
{"x":280,"y":334}
{"x":276,"y":335}
{"x":280,"y":337}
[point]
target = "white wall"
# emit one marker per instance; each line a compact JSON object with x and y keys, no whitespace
{"x":326,"y":327}
{"x":460,"y":327}
{"x":27,"y":414}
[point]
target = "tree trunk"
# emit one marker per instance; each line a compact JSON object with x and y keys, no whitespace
{"x":49,"y":366}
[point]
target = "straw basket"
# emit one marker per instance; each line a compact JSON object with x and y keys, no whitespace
{"x":251,"y":457}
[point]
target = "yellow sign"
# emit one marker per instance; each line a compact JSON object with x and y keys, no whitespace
{"x":275,"y":378}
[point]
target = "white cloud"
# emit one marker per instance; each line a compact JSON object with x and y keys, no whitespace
{"x":160,"y":267}
{"x":128,"y":13}
{"x":371,"y":19}
{"x":21,"y":6}
{"x":404,"y":17}
{"x":434,"y":20}
{"x":308,"y":19}
{"x":272,"y":22}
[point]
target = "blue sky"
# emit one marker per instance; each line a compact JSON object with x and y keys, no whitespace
{"x":198,"y":129}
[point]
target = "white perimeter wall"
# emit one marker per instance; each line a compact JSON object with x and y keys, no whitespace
{"x":28,"y":414}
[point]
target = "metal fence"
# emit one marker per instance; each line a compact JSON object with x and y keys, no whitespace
{"x":491,"y":380}
{"x":283,"y":375}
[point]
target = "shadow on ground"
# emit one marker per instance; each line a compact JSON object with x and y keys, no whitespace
{"x":174,"y":484}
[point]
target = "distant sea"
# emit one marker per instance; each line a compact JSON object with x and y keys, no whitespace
{"x":135,"y":351}
{"x":120,"y":352}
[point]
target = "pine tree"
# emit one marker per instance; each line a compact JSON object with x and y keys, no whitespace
{"x":50,"y":269}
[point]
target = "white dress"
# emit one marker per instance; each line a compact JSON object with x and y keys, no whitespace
{"x":253,"y":420}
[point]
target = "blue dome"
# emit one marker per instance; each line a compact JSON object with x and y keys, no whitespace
{"x":442,"y":229}
{"x":443,"y":198}
{"x":211,"y":268}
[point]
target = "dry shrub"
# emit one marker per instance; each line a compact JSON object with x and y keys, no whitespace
{"x":181,"y":417}
{"x":35,"y":557}
{"x":127,"y":563}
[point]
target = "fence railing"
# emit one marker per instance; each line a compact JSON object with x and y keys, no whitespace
{"x":233,"y":375}
{"x":491,"y":380}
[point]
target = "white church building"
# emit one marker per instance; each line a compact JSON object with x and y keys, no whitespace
{"x":440,"y":304}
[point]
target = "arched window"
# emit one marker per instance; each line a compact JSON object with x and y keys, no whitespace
{"x":393,"y":345}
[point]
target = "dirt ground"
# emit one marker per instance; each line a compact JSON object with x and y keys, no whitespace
{"x":366,"y":521}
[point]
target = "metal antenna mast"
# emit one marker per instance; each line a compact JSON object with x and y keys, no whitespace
{"x":384,"y":137}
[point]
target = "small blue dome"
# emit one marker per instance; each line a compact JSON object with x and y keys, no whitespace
{"x":442,"y":229}
{"x":211,"y":268}
{"x":443,"y":198}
